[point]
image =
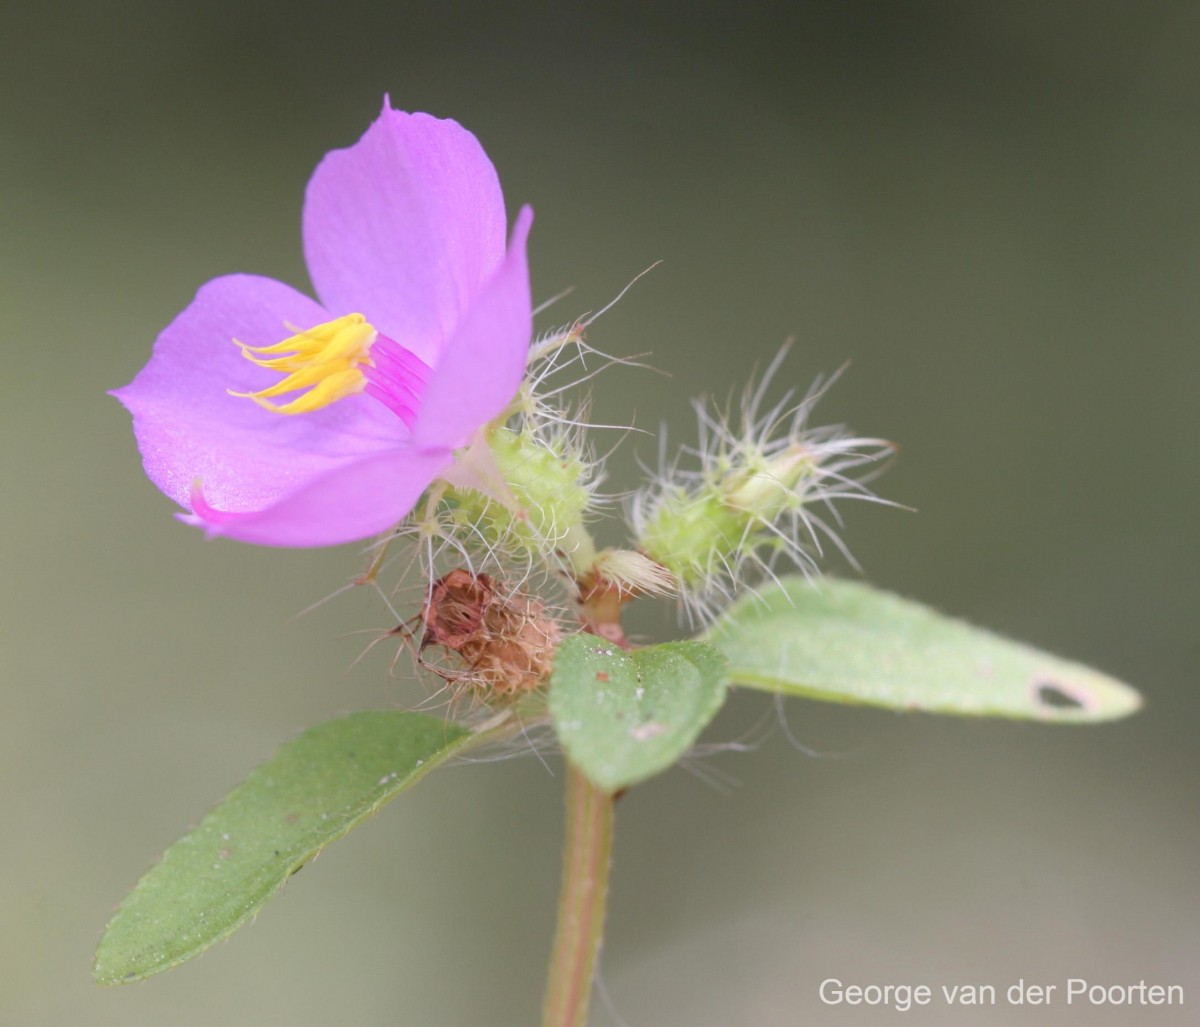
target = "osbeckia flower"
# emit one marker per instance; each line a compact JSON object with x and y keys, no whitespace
{"x":280,"y":420}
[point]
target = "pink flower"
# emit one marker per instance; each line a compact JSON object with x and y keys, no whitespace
{"x":282,"y":421}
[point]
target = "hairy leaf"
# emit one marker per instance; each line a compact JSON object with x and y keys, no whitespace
{"x":842,"y":641}
{"x":312,"y":792}
{"x":624,"y":716}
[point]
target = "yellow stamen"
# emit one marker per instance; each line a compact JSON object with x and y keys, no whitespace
{"x":323,"y":360}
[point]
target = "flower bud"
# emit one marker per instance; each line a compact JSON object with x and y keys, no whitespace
{"x":535,"y":502}
{"x":758,"y":495}
{"x":732,"y":512}
{"x":631,"y":574}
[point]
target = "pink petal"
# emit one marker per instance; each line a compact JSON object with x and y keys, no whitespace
{"x":405,"y":226}
{"x":188,"y":426}
{"x":351,"y":502}
{"x":483,"y":362}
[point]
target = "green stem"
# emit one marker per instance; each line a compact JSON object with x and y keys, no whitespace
{"x":587,"y":855}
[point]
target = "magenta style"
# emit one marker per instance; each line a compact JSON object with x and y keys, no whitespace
{"x":281,"y":420}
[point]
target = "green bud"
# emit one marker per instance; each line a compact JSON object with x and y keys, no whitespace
{"x":761,"y":492}
{"x":768,"y":486}
{"x":547,"y":481}
{"x":702,"y":530}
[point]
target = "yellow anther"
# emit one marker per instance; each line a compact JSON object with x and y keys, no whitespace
{"x":323,"y":360}
{"x":329,"y":390}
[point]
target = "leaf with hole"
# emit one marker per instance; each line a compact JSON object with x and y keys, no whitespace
{"x":624,"y":716}
{"x":313,"y":791}
{"x":847,"y":642}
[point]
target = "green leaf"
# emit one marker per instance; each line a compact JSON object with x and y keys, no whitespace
{"x":624,"y":716}
{"x":312,"y":792}
{"x":847,"y":642}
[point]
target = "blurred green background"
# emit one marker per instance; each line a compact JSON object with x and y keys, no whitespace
{"x":992,"y":209}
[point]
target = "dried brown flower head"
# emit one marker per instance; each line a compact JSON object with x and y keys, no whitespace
{"x":505,"y":640}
